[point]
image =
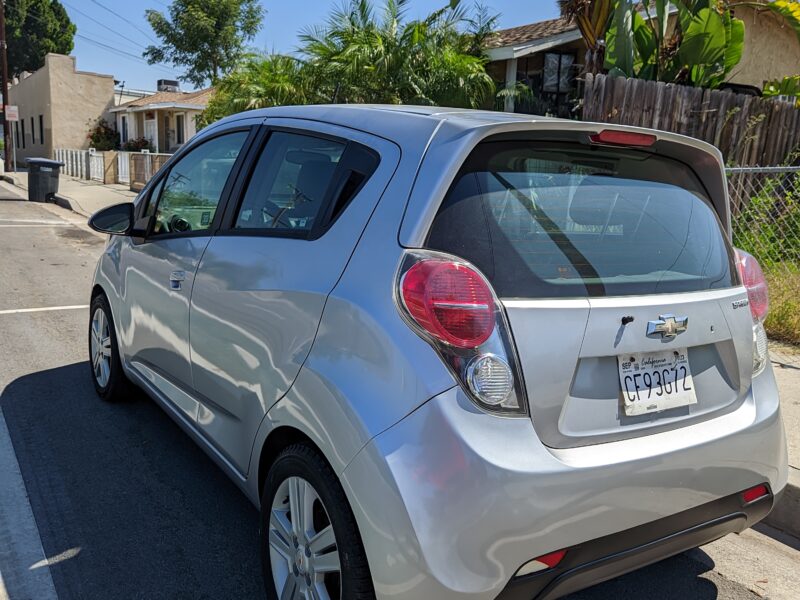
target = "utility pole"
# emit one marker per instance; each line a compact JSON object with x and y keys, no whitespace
{"x":4,"y":61}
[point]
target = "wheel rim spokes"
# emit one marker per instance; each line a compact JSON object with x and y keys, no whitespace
{"x":302,"y":544}
{"x":100,"y":347}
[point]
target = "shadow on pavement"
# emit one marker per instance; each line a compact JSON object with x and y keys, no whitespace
{"x":135,"y":509}
{"x":135,"y":506}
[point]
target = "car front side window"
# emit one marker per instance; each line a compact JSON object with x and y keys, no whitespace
{"x":193,"y":187}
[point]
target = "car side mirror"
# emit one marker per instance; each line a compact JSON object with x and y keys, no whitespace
{"x":116,"y":220}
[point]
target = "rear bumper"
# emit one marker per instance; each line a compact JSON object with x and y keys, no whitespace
{"x":619,"y":553}
{"x":451,"y":502}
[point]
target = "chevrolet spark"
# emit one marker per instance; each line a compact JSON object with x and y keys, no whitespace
{"x":449,"y":354}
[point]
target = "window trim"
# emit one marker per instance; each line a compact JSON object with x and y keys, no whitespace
{"x":227,"y":189}
{"x":322,"y":225}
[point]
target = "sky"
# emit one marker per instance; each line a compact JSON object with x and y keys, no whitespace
{"x":112,"y":34}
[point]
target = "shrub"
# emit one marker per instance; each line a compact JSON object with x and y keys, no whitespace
{"x":103,"y":136}
{"x":137,"y":145}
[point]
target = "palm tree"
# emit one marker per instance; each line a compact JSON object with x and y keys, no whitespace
{"x":592,"y":17}
{"x":368,"y":55}
{"x":361,"y":55}
{"x":260,"y":81}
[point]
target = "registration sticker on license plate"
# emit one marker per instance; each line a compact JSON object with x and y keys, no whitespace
{"x":655,"y":381}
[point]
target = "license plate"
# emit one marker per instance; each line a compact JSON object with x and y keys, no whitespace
{"x":655,"y":381}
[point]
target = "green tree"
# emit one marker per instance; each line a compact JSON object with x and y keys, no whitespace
{"x":260,"y":81}
{"x":369,"y":56}
{"x":207,"y":37}
{"x":34,"y":28}
{"x":361,"y":55}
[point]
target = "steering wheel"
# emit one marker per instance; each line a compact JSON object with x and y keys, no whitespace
{"x":179,"y":224}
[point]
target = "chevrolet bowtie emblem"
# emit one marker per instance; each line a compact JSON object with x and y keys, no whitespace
{"x":667,"y":326}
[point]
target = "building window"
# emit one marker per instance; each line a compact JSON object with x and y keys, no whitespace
{"x":124,"y":128}
{"x":179,"y":128}
{"x":16,"y":133}
{"x":557,"y":73}
{"x":33,"y":133}
{"x":22,"y":122}
{"x":41,"y":129}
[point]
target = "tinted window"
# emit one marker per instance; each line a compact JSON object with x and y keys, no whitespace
{"x":290,"y":183}
{"x":573,"y":220}
{"x":193,"y":187}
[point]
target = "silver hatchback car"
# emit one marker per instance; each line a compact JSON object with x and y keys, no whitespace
{"x":449,"y":354}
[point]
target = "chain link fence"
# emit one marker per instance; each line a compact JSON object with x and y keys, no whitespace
{"x":765,"y":204}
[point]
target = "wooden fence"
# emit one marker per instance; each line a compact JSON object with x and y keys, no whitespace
{"x":143,"y":166}
{"x":747,"y":129}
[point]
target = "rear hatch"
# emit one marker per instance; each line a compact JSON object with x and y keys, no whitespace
{"x":618,"y":280}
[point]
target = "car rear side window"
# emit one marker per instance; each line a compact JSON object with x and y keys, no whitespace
{"x":568,"y":220}
{"x":289,"y":185}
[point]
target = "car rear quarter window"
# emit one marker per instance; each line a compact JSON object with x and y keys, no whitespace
{"x":568,"y":220}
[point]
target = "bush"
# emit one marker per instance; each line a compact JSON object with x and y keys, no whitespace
{"x":137,"y":145}
{"x":103,"y":136}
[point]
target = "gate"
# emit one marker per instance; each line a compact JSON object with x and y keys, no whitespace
{"x":96,"y":167}
{"x":124,"y":167}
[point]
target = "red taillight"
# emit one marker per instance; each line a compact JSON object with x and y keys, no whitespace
{"x":623,"y":138}
{"x":755,"y":283}
{"x":543,"y":563}
{"x":755,"y":493}
{"x":552,"y":559}
{"x":450,"y":301}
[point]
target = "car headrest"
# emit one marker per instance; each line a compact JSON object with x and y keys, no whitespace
{"x":596,"y":200}
{"x":301,"y":157}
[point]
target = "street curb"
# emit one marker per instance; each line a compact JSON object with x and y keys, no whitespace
{"x":786,"y":514}
{"x":65,"y":202}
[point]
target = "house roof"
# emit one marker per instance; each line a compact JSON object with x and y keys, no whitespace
{"x":530,"y":33}
{"x":198,"y":99}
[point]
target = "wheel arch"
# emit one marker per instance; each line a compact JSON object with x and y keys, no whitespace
{"x":279,"y":438}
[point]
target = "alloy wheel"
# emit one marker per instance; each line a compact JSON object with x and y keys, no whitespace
{"x":100,"y":337}
{"x":302,"y":545}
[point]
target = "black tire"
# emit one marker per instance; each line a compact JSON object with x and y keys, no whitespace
{"x":304,"y":461}
{"x":117,"y":387}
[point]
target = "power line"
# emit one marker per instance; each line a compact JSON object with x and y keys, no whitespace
{"x":91,"y":18}
{"x":128,"y":21}
{"x":123,"y":53}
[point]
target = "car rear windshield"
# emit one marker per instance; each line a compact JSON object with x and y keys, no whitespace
{"x":571,"y":220}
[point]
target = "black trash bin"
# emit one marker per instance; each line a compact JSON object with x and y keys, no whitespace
{"x":43,"y":178}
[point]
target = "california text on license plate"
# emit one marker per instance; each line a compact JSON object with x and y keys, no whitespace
{"x":655,"y":381}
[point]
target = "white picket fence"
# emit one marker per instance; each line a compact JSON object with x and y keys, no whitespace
{"x":76,"y":162}
{"x":133,"y":168}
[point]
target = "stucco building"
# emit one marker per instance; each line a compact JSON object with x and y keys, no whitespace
{"x":57,"y":106}
{"x":548,"y":55}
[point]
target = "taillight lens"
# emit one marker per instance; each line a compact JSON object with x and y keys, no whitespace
{"x":452,"y":306}
{"x":450,"y":301}
{"x":755,"y":283}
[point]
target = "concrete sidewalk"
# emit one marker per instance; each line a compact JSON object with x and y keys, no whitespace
{"x":79,"y":195}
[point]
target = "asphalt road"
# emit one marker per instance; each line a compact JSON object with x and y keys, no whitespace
{"x":126,"y":506}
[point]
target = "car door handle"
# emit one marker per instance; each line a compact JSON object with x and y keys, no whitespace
{"x":176,"y":278}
